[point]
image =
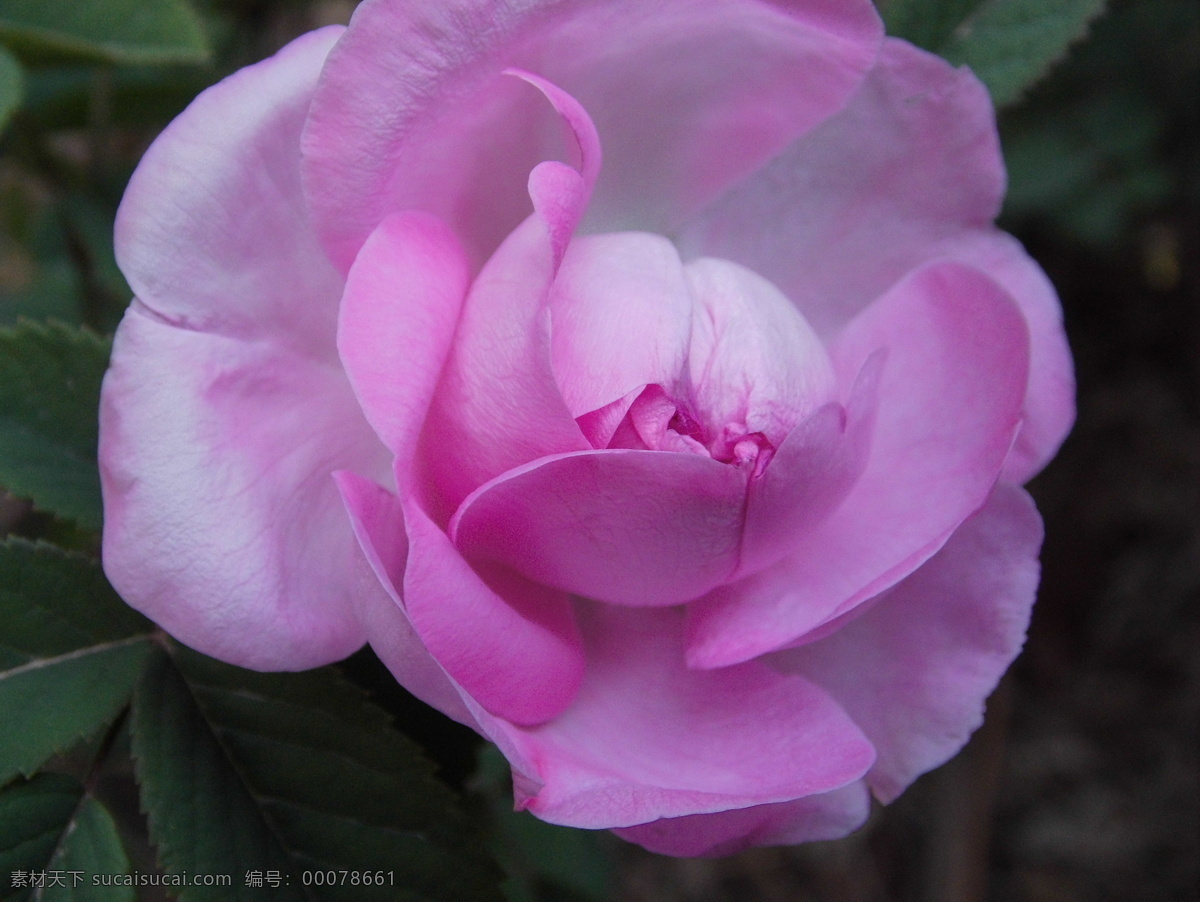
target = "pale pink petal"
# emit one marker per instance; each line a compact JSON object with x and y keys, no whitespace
{"x":1049,"y":410}
{"x":221,"y":521}
{"x":621,"y":318}
{"x":754,"y":360}
{"x":398,"y":316}
{"x":646,"y":738}
{"x":378,"y":523}
{"x":511,"y":644}
{"x":641,"y":528}
{"x":915,"y":670}
{"x":213,"y":233}
{"x":949,"y":406}
{"x":864,"y":199}
{"x":829,"y":815}
{"x":695,"y":94}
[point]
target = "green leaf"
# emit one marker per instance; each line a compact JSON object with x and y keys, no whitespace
{"x":49,"y":392}
{"x":70,"y":653}
{"x":255,"y":775}
{"x":33,"y":815}
{"x":125,"y":32}
{"x":543,"y":860}
{"x":90,"y":847}
{"x":1010,"y":44}
{"x":50,"y":703}
{"x":12,"y":86}
{"x":48,"y":826}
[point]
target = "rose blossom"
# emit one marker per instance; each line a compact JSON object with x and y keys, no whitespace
{"x":690,"y":478}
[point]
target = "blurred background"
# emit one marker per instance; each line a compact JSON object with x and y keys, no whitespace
{"x":1083,"y":784}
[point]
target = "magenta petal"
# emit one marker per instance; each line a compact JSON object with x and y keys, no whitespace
{"x":830,"y":815}
{"x":640,"y":528}
{"x":378,"y":524}
{"x":413,"y":114}
{"x":949,"y":406}
{"x":398,"y":316}
{"x":213,"y":233}
{"x":646,"y":738}
{"x":221,"y":521}
{"x":511,"y":644}
{"x":937,"y":643}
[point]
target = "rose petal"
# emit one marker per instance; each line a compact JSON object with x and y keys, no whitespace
{"x":640,"y":528}
{"x":754,"y":360}
{"x":213,"y":233}
{"x":810,"y":473}
{"x":621,"y":318}
{"x":498,"y":405}
{"x":949,"y":406}
{"x":1049,"y":409}
{"x":398,"y":316}
{"x":937,"y":643}
{"x":830,"y":815}
{"x":647,"y":738}
{"x":221,"y":521}
{"x":867,"y":197}
{"x":378,"y":523}
{"x":694,"y":96}
{"x":511,"y":644}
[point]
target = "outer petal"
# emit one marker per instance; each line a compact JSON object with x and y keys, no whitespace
{"x":830,"y":815}
{"x":213,"y":233}
{"x":224,"y":409}
{"x":949,"y":407}
{"x":221,"y":521}
{"x":695,"y":95}
{"x":867,"y":197}
{"x":915,"y":670}
{"x":647,"y":738}
{"x":641,"y":528}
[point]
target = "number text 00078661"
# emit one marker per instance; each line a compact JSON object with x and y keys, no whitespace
{"x":348,"y":878}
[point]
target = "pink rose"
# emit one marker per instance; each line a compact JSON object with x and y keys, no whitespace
{"x":689,"y":478}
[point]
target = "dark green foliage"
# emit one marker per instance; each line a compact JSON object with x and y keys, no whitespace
{"x":245,"y":772}
{"x":51,"y":375}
